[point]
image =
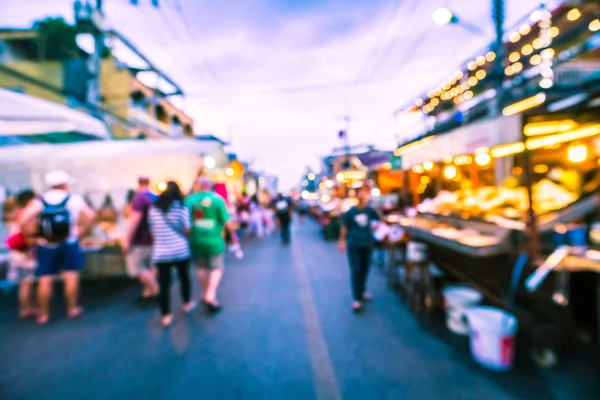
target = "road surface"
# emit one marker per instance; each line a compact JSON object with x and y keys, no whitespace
{"x":286,"y":332}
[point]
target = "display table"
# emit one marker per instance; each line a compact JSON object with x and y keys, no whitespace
{"x":103,"y":263}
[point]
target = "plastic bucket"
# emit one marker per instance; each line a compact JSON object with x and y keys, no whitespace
{"x":457,"y":299}
{"x":492,"y":333}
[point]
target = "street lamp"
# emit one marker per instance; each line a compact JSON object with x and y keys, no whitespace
{"x":443,"y":16}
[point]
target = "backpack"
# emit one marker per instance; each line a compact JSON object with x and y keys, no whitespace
{"x":54,"y":224}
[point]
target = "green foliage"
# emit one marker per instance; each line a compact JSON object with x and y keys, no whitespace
{"x":60,"y":37}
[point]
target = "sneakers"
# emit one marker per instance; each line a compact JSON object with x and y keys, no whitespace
{"x":356,"y":306}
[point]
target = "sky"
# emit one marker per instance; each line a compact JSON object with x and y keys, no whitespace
{"x":276,"y":78}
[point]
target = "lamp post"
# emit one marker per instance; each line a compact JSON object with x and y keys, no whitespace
{"x":443,"y":16}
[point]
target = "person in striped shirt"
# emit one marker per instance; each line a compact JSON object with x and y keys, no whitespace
{"x":169,"y":221}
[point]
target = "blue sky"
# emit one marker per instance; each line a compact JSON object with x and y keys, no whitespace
{"x":287,"y":71}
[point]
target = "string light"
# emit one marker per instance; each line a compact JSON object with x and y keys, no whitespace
{"x":525,"y":29}
{"x":481,"y":74}
{"x":468,"y":95}
{"x":480,"y":60}
{"x":547,"y":33}
{"x":536,"y":59}
{"x":418,"y":102}
{"x":435,"y":102}
{"x":490,"y":56}
{"x":547,"y":54}
{"x":538,"y":43}
{"x":527,"y":50}
{"x":515,"y":37}
{"x":574,"y":14}
{"x":472,"y":66}
{"x":514,"y":57}
{"x":595,"y":25}
{"x":509,"y":70}
{"x":517,"y":67}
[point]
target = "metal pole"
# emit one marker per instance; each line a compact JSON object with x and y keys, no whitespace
{"x":95,"y":62}
{"x":498,"y":11}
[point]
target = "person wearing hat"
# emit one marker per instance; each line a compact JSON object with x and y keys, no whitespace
{"x":59,"y":250}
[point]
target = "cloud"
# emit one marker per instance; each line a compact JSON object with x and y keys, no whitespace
{"x":286,"y":70}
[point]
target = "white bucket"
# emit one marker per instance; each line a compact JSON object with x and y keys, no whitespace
{"x":492,"y":334}
{"x":457,"y":299}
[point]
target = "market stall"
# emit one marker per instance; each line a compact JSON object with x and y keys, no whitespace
{"x":104,"y":172}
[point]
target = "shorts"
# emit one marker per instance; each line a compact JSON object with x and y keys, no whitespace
{"x":55,"y":258}
{"x":138,"y":259}
{"x":210,"y":263}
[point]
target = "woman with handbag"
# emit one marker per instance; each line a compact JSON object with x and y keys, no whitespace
{"x":169,"y":221}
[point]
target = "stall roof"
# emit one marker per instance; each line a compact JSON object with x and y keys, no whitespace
{"x":106,"y":149}
{"x":22,"y":115}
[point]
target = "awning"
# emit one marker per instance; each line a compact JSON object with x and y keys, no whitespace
{"x":22,"y":115}
{"x":464,"y":140}
{"x":112,"y":149}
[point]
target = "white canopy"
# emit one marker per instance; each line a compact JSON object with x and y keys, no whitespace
{"x":102,"y":168}
{"x":113,"y":149}
{"x":21,"y":114}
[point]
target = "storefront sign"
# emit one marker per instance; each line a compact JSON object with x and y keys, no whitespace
{"x":466,"y":140}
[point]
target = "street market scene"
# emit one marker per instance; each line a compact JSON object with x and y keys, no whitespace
{"x":249,"y":199}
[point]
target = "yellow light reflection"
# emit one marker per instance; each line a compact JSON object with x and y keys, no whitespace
{"x":523,"y":105}
{"x":548,"y":127}
{"x":581,"y":133}
{"x":483,"y":159}
{"x":577,"y":153}
{"x":450,"y":172}
{"x":507,"y":150}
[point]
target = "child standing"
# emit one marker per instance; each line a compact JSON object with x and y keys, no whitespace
{"x":22,"y":258}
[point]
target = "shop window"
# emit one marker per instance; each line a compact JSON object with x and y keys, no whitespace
{"x":161,"y":114}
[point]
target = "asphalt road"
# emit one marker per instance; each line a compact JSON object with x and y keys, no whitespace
{"x":286,"y":332}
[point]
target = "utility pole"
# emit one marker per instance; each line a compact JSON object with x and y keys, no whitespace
{"x":498,"y":11}
{"x":90,"y":20}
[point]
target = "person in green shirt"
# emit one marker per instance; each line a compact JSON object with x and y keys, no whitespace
{"x":207,"y":243}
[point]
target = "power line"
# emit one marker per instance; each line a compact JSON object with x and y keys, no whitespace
{"x":159,"y":38}
{"x":382,"y":33}
{"x":288,"y":89}
{"x":177,"y":7}
{"x":175,"y":34}
{"x":391,"y":44}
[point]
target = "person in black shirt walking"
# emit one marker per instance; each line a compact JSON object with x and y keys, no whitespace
{"x":357,"y":241}
{"x":283,"y":210}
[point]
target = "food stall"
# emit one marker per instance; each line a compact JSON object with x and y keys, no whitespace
{"x":104,"y":172}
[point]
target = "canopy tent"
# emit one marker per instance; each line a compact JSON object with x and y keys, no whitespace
{"x":23,"y":115}
{"x":103,"y":168}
